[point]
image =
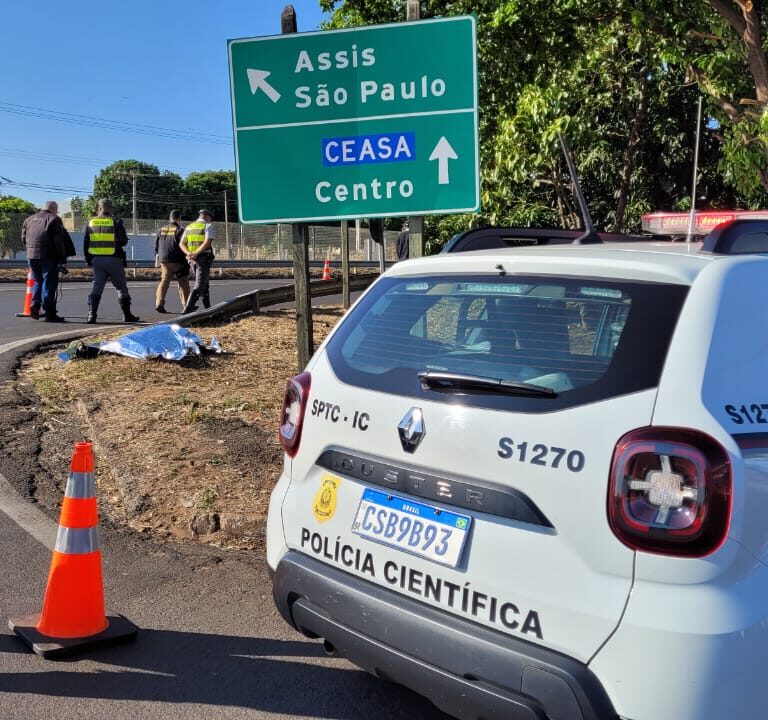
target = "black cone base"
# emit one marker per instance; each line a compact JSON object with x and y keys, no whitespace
{"x":120,"y":629}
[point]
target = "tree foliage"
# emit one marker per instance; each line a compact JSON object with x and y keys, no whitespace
{"x":620,"y":79}
{"x":10,"y":204}
{"x":155,"y":190}
{"x":12,"y":213}
{"x":207,"y":190}
{"x":157,"y":193}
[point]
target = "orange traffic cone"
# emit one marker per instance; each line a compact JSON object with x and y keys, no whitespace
{"x":327,"y":270}
{"x":27,"y":312}
{"x":73,"y":616}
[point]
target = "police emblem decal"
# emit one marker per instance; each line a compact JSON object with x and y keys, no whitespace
{"x":324,"y":504}
{"x":411,"y":429}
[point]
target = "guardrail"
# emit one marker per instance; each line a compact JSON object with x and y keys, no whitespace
{"x":250,"y":303}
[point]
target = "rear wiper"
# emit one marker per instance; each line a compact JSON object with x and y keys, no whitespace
{"x":431,"y":380}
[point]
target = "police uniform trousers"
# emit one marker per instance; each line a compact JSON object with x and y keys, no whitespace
{"x":109,"y":267}
{"x":201,"y":269}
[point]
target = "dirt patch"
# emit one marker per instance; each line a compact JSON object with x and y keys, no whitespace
{"x":185,"y":451}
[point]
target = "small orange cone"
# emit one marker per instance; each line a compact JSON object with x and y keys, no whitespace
{"x":27,"y":312}
{"x":73,"y":616}
{"x":327,"y":270}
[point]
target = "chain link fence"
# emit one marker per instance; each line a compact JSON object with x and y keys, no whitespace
{"x":233,"y":240}
{"x":10,"y":235}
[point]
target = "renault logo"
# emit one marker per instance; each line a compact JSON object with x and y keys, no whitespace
{"x":411,"y":429}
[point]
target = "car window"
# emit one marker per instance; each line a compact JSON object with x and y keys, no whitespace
{"x":579,"y":337}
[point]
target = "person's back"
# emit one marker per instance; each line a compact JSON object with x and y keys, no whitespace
{"x":172,"y":261}
{"x":47,"y":244}
{"x":37,"y":233}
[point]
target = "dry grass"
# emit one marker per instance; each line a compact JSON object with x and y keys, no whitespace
{"x":183,"y":450}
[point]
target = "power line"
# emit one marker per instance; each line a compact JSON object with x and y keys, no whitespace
{"x":59,"y":189}
{"x":107,"y":124}
{"x":150,"y":197}
{"x":38,"y":155}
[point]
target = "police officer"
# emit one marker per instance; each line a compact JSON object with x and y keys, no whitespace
{"x":105,"y":238}
{"x":172,"y":261}
{"x":196,"y":244}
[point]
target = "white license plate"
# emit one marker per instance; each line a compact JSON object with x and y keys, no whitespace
{"x":422,"y":530}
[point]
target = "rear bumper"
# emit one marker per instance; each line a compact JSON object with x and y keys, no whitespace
{"x":466,"y":670}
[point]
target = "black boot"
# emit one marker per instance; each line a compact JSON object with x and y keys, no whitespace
{"x":125,"y":306}
{"x":191,"y":305}
{"x":206,"y":298}
{"x":93,"y":306}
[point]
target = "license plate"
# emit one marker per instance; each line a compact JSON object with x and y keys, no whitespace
{"x":419,"y":529}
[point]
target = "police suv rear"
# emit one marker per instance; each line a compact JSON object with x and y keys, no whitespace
{"x":532,"y":483}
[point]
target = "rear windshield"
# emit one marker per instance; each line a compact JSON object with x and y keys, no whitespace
{"x":582,"y":339}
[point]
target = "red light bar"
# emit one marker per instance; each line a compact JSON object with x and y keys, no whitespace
{"x":676,"y":223}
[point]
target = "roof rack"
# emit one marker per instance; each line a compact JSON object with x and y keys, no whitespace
{"x":738,"y":237}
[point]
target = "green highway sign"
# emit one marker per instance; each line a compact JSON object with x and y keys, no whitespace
{"x":365,"y":122}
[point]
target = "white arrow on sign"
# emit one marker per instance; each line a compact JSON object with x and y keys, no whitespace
{"x":443,"y":152}
{"x":258,"y":79}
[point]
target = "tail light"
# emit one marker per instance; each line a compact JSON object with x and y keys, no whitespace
{"x":670,"y":492}
{"x":292,"y":415}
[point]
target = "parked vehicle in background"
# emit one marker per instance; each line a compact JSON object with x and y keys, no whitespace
{"x":529,"y":482}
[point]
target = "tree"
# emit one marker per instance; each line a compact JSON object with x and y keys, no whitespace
{"x":156,"y":192}
{"x":722,"y":47}
{"x":10,"y":204}
{"x":76,"y":206}
{"x":206,"y":190}
{"x":13,"y":210}
{"x":616,"y":78}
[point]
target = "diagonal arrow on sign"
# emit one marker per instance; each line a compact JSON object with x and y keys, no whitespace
{"x":443,"y":152}
{"x":258,"y":79}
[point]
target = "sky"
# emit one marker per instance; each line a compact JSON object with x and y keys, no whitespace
{"x":73,"y":72}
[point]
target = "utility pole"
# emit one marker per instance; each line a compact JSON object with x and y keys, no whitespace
{"x":415,"y":222}
{"x":134,"y":203}
{"x":226,"y":227}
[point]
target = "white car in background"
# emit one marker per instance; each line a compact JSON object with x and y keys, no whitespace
{"x":532,"y":482}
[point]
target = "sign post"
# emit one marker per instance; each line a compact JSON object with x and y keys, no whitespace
{"x":305,"y":346}
{"x":366,"y":122}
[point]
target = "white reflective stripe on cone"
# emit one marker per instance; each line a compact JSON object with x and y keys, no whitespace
{"x":80,"y":485}
{"x":77,"y":541}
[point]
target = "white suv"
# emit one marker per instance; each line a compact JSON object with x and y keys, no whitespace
{"x":532,"y":482}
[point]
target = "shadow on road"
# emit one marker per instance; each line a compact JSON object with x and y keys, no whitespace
{"x":279,"y":676}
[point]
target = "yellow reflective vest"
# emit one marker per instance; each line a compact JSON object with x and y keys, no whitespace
{"x":194,"y":236}
{"x":101,"y":236}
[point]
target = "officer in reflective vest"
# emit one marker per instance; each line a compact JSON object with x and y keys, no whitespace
{"x":196,"y":244}
{"x":103,"y":244}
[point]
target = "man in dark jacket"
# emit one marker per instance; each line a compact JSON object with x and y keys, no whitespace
{"x":48,"y":245}
{"x":173,"y":262}
{"x":103,"y":243}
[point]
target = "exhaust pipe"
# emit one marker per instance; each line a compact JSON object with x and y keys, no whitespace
{"x":329,"y":648}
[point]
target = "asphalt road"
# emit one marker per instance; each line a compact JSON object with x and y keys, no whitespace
{"x":73,"y":304}
{"x":210,"y":645}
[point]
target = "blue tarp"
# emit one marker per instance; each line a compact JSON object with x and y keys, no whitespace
{"x":168,"y":342}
